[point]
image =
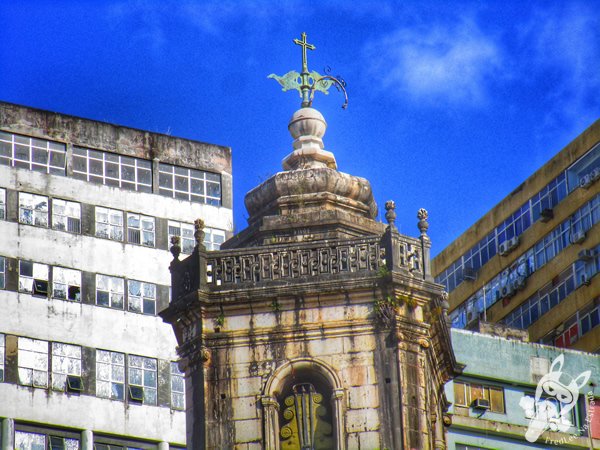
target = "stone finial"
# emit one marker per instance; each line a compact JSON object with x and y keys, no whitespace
{"x":390,"y":215}
{"x":199,"y":232}
{"x":423,"y":225}
{"x":175,"y":247}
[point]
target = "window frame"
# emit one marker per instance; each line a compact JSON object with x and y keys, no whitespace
{"x":486,"y":391}
{"x":170,"y":175}
{"x":56,"y":270}
{"x":111,"y":381}
{"x":22,"y":366}
{"x":145,"y":373}
{"x":142,"y":232}
{"x":110,"y":292}
{"x":34,"y":211}
{"x":72,"y":223}
{"x":143,"y":298}
{"x":110,"y":225}
{"x":177,"y":376}
{"x":19,"y":145}
{"x":35,"y":270}
{"x":187,"y":242}
{"x":59,"y":374}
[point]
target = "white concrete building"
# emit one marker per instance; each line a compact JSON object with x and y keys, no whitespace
{"x":87,"y":210}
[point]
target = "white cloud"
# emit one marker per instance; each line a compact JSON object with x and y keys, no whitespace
{"x":435,"y":63}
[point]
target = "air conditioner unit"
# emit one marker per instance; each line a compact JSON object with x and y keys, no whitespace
{"x":507,"y":246}
{"x":519,"y":283}
{"x":136,"y":393}
{"x":586,"y":181}
{"x":547,"y":215}
{"x":595,"y":174}
{"x":585,"y":281}
{"x":578,"y":237}
{"x":469,"y":274}
{"x":74,"y":383}
{"x":587,"y":255}
{"x":480,"y":403}
{"x":507,"y":291}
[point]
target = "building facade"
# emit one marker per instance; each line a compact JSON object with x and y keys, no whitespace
{"x":316,"y":327}
{"x":496,"y":408}
{"x":86,"y":213}
{"x":531,"y":262}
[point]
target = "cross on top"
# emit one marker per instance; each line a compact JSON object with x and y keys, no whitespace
{"x":305,"y":45}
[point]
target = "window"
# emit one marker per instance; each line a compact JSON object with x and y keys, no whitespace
{"x":177,"y":387}
{"x":66,"y":360}
{"x":66,"y":284}
{"x":109,"y":291}
{"x":33,"y":362}
{"x":186,"y":232}
{"x":37,"y":441}
{"x":2,"y":203}
{"x":110,"y":374}
{"x":466,"y":393}
{"x":33,"y":209}
{"x":549,"y":409}
{"x":33,"y":278}
{"x":33,"y":154}
{"x":142,"y":297}
{"x":143,"y":373}
{"x":2,"y":272}
{"x":66,"y":216}
{"x":140,"y":229}
{"x":189,"y":184}
{"x":213,"y":238}
{"x":109,"y":223}
{"x":112,"y":169}
{"x":2,"y":351}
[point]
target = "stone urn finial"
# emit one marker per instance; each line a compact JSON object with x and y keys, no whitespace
{"x":199,"y":232}
{"x":175,"y":247}
{"x":423,"y":225}
{"x":390,"y":215}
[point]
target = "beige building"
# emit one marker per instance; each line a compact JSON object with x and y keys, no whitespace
{"x":86,"y":213}
{"x":531,"y":262}
{"x":316,"y":327}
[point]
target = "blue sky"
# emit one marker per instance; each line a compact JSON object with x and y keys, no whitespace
{"x":452,"y":104}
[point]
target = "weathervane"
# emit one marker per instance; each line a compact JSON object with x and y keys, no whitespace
{"x":306,"y":83}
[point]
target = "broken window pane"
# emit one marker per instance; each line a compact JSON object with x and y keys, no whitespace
{"x":33,"y":209}
{"x":66,"y":216}
{"x":109,"y":223}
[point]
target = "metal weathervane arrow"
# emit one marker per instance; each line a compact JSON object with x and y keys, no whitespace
{"x":306,"y":83}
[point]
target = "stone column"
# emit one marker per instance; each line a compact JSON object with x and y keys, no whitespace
{"x":163,"y":446}
{"x":271,"y":423}
{"x":338,"y":423}
{"x":155,"y":167}
{"x":87,"y":440}
{"x":69,"y":160}
{"x":8,"y":434}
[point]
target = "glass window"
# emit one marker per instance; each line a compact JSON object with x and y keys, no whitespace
{"x":60,"y":443}
{"x":466,"y":393}
{"x":140,"y":229}
{"x":110,"y":375}
{"x":32,"y":153}
{"x":2,"y":203}
{"x":33,"y":209}
{"x":2,"y":352}
{"x":109,"y":223}
{"x":29,"y":441}
{"x":189,"y":184}
{"x":2,"y":272}
{"x":109,"y":291}
{"x":66,"y":284}
{"x":66,"y":360}
{"x":186,"y":232}
{"x":33,"y":362}
{"x":33,"y":278}
{"x":142,"y":297}
{"x":177,"y":387}
{"x":143,"y":373}
{"x":66,"y":215}
{"x":112,"y":170}
{"x":213,"y":238}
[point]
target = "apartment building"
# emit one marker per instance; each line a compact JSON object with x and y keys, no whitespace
{"x":87,"y":210}
{"x":495,"y":408}
{"x":531,"y":261}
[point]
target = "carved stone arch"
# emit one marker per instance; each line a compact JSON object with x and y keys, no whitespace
{"x":276,"y":384}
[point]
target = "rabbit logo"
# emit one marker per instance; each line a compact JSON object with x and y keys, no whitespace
{"x":554,"y":400}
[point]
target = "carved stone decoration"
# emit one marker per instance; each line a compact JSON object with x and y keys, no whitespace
{"x":423,"y":225}
{"x":307,"y":425}
{"x":199,"y":232}
{"x":175,"y":247}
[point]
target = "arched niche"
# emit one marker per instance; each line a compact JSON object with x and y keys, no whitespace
{"x":303,"y":394}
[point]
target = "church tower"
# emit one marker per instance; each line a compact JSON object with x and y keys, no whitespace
{"x":317,"y":327}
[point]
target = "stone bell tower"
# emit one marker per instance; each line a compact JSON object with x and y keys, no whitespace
{"x":316,"y":327}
